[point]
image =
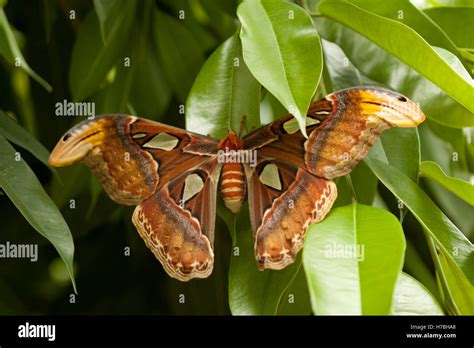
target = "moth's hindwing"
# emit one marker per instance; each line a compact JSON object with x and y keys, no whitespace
{"x":284,"y":200}
{"x":177,"y":222}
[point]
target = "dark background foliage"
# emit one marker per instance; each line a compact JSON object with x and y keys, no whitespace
{"x":82,"y":59}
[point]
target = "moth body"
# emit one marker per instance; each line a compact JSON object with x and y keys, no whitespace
{"x":173,"y":175}
{"x":233,"y":186}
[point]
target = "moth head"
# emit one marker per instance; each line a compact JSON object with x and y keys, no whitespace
{"x":393,"y":107}
{"x":231,"y":142}
{"x":77,"y":142}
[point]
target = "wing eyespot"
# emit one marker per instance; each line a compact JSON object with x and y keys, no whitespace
{"x":402,"y":99}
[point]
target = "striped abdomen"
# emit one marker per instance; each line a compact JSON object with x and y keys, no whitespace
{"x":233,"y":186}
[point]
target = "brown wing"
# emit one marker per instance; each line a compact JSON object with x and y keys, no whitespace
{"x":177,"y":222}
{"x":341,"y":129}
{"x":171,"y":172}
{"x":284,"y":200}
{"x":132,"y":157}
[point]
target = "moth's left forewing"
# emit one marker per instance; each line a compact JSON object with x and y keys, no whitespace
{"x":284,"y":200}
{"x":176,"y":150}
{"x":132,"y":157}
{"x":105,"y":144}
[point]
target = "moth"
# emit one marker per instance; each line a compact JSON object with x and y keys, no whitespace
{"x":172,"y":175}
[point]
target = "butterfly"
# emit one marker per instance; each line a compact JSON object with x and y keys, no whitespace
{"x":172,"y":175}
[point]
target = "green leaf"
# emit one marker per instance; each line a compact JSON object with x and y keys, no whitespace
{"x":412,"y":298}
{"x":296,"y":299}
{"x":360,"y":185}
{"x":400,"y":41}
{"x":253,"y":292}
{"x":425,"y":4}
{"x":344,"y":193}
{"x":402,"y":148}
{"x":190,"y":14}
{"x":270,"y":108}
{"x":454,"y":62}
{"x":416,"y":261}
{"x":19,"y":136}
{"x":118,"y":93}
{"x":352,"y":261}
{"x":460,"y":188}
{"x":363,"y":62}
{"x":364,"y":182}
{"x":22,"y":186}
{"x":455,"y":285}
{"x":282,"y":50}
{"x":445,"y":233}
{"x":223,"y":93}
{"x":181,"y":54}
{"x":10,"y":50}
{"x":150,"y":94}
{"x":444,"y":153}
{"x":341,"y":75}
{"x":50,"y":15}
{"x":405,"y":12}
{"x":105,"y":11}
{"x":72,"y":180}
{"x":454,"y":21}
{"x":92,"y":58}
{"x":95,"y":189}
{"x":456,"y":291}
{"x":220,"y":16}
{"x":454,"y":140}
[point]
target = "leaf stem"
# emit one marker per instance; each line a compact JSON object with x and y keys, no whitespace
{"x":304,"y":4}
{"x":351,"y":188}
{"x":449,"y":303}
